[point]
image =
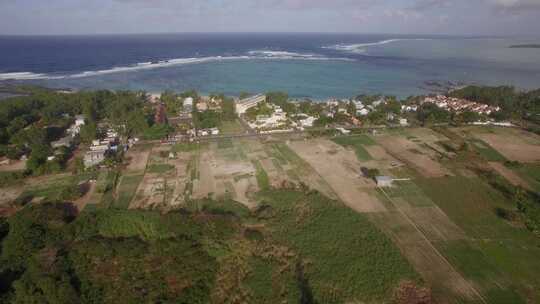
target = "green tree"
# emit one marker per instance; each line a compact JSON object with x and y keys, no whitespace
{"x":89,"y":132}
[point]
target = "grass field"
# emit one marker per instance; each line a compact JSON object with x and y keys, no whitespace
{"x":231,"y":127}
{"x":332,"y":238}
{"x":51,"y":188}
{"x":185,"y":147}
{"x":531,"y":174}
{"x":486,"y":150}
{"x":357,"y":143}
{"x":262,"y":178}
{"x":127,"y":189}
{"x":502,"y":254}
{"x":159,"y":168}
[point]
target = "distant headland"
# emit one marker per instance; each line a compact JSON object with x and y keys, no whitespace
{"x":525,"y":46}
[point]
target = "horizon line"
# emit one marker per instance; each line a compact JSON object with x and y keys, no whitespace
{"x":269,"y":32}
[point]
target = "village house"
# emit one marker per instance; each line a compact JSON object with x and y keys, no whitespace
{"x":458,"y":105}
{"x":202,"y":106}
{"x":92,"y":158}
{"x":208,"y":132}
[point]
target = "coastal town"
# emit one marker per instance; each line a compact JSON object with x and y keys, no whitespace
{"x":255,"y":175}
{"x":257,"y":115}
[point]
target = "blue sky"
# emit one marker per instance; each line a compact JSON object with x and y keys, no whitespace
{"x":469,"y":17}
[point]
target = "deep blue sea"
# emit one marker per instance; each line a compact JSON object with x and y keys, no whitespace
{"x":305,"y":65}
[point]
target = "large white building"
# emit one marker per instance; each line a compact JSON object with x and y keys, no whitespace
{"x":243,"y":105}
{"x":188,"y":105}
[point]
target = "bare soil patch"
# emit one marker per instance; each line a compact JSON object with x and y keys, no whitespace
{"x":138,"y":158}
{"x":510,"y":175}
{"x":220,"y":175}
{"x":340,"y":171}
{"x":14,"y":165}
{"x":514,"y":148}
{"x":9,"y":194}
{"x":406,"y":150}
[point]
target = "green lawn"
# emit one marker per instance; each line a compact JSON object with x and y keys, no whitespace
{"x":357,"y":143}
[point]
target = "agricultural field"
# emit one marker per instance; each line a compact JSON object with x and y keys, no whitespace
{"x":512,"y":144}
{"x":417,"y":149}
{"x":442,"y":215}
{"x":289,"y":219}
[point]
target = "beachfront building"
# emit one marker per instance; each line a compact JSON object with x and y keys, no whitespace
{"x":243,"y":105}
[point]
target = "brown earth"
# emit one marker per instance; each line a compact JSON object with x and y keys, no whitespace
{"x":514,"y":148}
{"x":16,"y":165}
{"x":405,"y":150}
{"x":510,"y":175}
{"x":341,"y":171}
{"x":137,"y":159}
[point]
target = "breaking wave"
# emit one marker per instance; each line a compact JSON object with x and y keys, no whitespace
{"x":251,"y":55}
{"x":361,"y":48}
{"x":24,"y":76}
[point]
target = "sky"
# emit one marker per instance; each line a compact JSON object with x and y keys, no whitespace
{"x":452,"y":17}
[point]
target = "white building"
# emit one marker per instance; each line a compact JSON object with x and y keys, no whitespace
{"x":243,"y":105}
{"x":344,"y":131}
{"x":384,"y":181}
{"x":307,"y":121}
{"x":362,"y":112}
{"x":188,"y":104}
{"x":79,"y":120}
{"x":92,"y":158}
{"x":403,"y":122}
{"x":377,"y":103}
{"x":207,"y":132}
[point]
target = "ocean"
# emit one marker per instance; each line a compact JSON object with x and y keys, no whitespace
{"x":310,"y":65}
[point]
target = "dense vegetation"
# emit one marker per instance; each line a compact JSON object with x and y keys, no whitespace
{"x":28,"y":124}
{"x":302,"y":248}
{"x":111,"y":256}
